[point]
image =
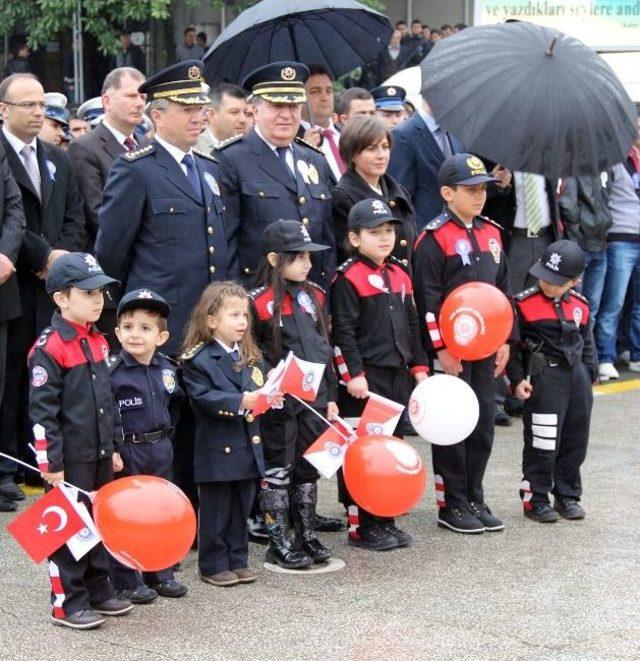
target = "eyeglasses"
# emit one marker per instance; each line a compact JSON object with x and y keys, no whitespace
{"x":28,"y":105}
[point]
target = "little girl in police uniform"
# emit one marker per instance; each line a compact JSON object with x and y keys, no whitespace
{"x":377,"y":342}
{"x":222,"y":369}
{"x":290,"y":316}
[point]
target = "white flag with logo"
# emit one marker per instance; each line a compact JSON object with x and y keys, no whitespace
{"x":86,"y":538}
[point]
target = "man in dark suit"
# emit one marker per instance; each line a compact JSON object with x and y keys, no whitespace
{"x":270,"y":174}
{"x":420,"y":146}
{"x":55,"y":224}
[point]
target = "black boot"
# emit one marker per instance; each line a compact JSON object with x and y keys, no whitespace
{"x":275,"y":505}
{"x":305,"y":499}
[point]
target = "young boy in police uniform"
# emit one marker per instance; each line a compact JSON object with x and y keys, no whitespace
{"x":146,"y":390}
{"x":76,"y":428}
{"x":457,"y":247}
{"x":552,"y":369}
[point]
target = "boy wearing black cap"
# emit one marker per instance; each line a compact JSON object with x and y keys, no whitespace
{"x":76,"y":428}
{"x":552,"y":369}
{"x":147,"y":393}
{"x":457,"y":247}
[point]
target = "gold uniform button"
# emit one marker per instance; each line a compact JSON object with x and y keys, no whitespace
{"x":227,"y":450}
{"x":403,"y":242}
{"x":212,"y":269}
{"x":305,"y":221}
{"x":209,"y":230}
{"x":255,"y":440}
{"x":392,"y":203}
{"x":249,"y":417}
{"x":211,"y":250}
{"x":302,"y":199}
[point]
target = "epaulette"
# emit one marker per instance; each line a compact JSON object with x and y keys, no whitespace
{"x":190,"y":353}
{"x":113,"y":362}
{"x":139,"y":153}
{"x":204,"y":155}
{"x":345,"y":265}
{"x":302,"y":141}
{"x":579,"y":296}
{"x":526,"y":293}
{"x":254,"y":293}
{"x":316,"y":286}
{"x":493,"y":222}
{"x":437,"y":222}
{"x":398,"y":262}
{"x":229,"y":141}
{"x":169,"y":359}
{"x":44,"y":337}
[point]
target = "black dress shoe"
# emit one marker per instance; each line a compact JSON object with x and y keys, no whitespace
{"x":373,"y":538}
{"x":173,"y":589}
{"x":7,"y":505}
{"x":84,"y":619}
{"x":9,"y":489}
{"x":491,"y":522}
{"x":141,"y":594}
{"x":542,"y":513}
{"x":460,"y":519}
{"x":113,"y":606}
{"x":403,"y":538}
{"x":328,"y":524}
{"x":569,"y":508}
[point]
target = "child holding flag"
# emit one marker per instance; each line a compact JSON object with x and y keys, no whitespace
{"x":222,"y":371}
{"x":291,"y":317}
{"x":377,"y":343}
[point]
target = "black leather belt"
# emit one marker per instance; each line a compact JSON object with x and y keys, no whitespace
{"x":524,"y":231}
{"x":147,"y":437}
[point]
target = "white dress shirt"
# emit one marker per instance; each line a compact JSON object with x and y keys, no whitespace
{"x":288,"y":155}
{"x":18,"y":145}
{"x":120,"y":137}
{"x":176,"y":152}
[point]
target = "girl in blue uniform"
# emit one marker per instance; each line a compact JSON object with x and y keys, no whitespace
{"x":222,"y":370}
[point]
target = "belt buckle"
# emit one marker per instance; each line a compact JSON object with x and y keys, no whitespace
{"x":532,"y":235}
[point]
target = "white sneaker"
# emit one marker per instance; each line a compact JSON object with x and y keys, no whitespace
{"x":634,"y":365}
{"x":607,"y":371}
{"x":625,"y":357}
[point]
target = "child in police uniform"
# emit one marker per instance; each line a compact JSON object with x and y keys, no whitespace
{"x":145,"y":386}
{"x":551,"y":369}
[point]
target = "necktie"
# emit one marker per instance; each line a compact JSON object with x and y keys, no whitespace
{"x":443,"y":140}
{"x":129,"y":144}
{"x":235,"y":356}
{"x":532,"y":207}
{"x":31,"y":166}
{"x":282,"y":155}
{"x":192,"y":175}
{"x":328,"y":136}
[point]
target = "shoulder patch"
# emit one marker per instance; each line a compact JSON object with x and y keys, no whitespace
{"x":397,"y":262}
{"x":203,"y":154}
{"x":302,"y":141}
{"x":316,"y":286}
{"x":254,"y":293}
{"x":229,"y":141}
{"x":526,"y":293}
{"x":44,"y":337}
{"x":493,"y":222}
{"x":190,"y":353}
{"x":579,"y":296}
{"x":169,"y":359}
{"x":345,"y":266}
{"x":139,"y":153}
{"x":437,"y":222}
{"x":113,"y":362}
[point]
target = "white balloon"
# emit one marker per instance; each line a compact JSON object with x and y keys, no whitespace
{"x":443,"y":409}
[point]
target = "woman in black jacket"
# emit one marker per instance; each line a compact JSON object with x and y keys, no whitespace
{"x":365,"y":147}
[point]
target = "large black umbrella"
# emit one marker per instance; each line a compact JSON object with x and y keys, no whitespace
{"x":340,"y":34}
{"x":531,"y":98}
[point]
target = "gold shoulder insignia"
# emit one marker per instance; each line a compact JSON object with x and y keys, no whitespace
{"x":190,"y":353}
{"x":527,"y":292}
{"x":139,"y":153}
{"x":302,"y":141}
{"x":229,"y":141}
{"x":204,"y":155}
{"x":345,"y":265}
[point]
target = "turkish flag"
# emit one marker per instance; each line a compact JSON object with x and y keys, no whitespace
{"x":46,"y":525}
{"x":302,"y":378}
{"x":326,"y":453}
{"x":380,"y":416}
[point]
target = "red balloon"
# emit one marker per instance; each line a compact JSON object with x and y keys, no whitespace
{"x":384,"y":475}
{"x":475,"y":319}
{"x":146,"y":522}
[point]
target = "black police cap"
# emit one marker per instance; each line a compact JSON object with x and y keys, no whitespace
{"x":389,"y":97}
{"x":463,"y":170}
{"x":560,"y":262}
{"x":76,"y":269}
{"x":370,"y":213}
{"x":279,"y":82}
{"x":288,"y":236}
{"x":143,"y":299}
{"x":182,"y":83}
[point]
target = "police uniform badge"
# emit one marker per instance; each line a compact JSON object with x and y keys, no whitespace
{"x":169,"y":380}
{"x":476,"y":166}
{"x":288,"y":73}
{"x":194,"y":73}
{"x":313,"y":174}
{"x":92,"y":263}
{"x":391,"y":91}
{"x":577,"y":315}
{"x":257,"y":377}
{"x":212,"y":183}
{"x":303,"y":169}
{"x":39,"y":376}
{"x":495,"y":249}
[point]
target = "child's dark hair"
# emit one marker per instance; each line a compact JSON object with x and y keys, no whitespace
{"x":160,"y":320}
{"x":271,"y":276}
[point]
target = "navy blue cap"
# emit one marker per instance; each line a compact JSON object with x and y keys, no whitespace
{"x":56,"y":108}
{"x":288,"y":236}
{"x":143,"y":299}
{"x":370,"y":213}
{"x":560,"y":262}
{"x":91,"y":109}
{"x":181,"y":83}
{"x":463,"y":170}
{"x":76,"y":269}
{"x":279,"y":82}
{"x":389,"y":97}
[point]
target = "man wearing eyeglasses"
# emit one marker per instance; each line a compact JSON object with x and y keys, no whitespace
{"x":55,"y":225}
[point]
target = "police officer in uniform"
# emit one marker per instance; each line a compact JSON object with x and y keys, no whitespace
{"x":269,"y":173}
{"x":389,"y":100}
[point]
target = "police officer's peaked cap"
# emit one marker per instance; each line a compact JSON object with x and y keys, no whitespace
{"x":76,"y":269}
{"x":143,"y":299}
{"x":389,"y":97}
{"x":463,"y":170}
{"x":288,"y":236}
{"x":370,"y":213}
{"x":91,"y":109}
{"x":56,"y":108}
{"x":560,"y":262}
{"x":181,"y":83}
{"x":279,"y":82}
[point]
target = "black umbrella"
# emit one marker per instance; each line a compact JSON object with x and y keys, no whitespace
{"x":531,"y":98}
{"x":342,"y":35}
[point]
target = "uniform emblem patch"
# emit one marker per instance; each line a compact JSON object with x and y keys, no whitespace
{"x":377,"y":282}
{"x":495,"y":249}
{"x":92,"y":263}
{"x":194,"y":73}
{"x":169,"y":380}
{"x":303,"y":169}
{"x":577,"y":315}
{"x":313,"y":174}
{"x":39,"y":376}
{"x":257,"y":377}
{"x":288,"y":73}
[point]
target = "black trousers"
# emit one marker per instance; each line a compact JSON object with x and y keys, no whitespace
{"x":522,"y":254}
{"x":184,"y":439}
{"x":143,"y":459}
{"x":556,"y":431}
{"x":76,"y":584}
{"x":223,"y":542}
{"x":459,"y":469}
{"x":393,"y":383}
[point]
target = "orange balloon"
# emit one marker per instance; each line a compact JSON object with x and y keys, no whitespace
{"x":475,"y":319}
{"x":146,"y":522}
{"x":384,"y":475}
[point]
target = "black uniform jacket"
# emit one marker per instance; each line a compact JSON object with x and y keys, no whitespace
{"x":228,"y":444}
{"x":71,"y":405}
{"x":374,"y":318}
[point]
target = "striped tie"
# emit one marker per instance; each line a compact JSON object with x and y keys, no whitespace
{"x":532,"y":207}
